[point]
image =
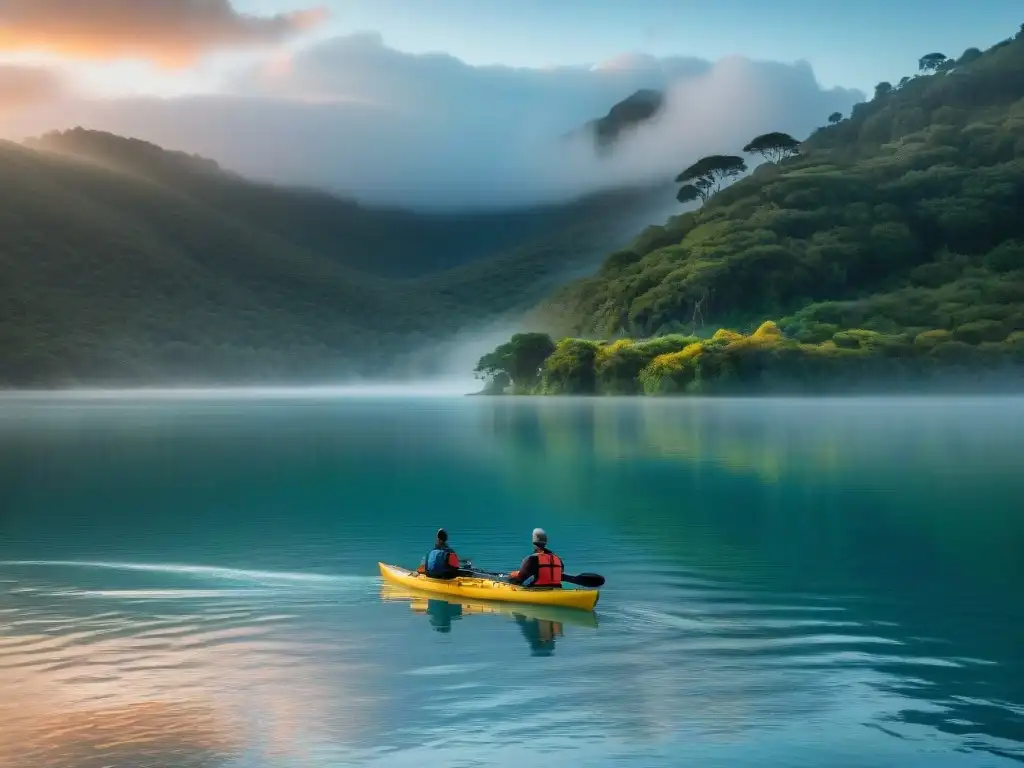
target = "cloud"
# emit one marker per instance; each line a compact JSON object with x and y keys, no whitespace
{"x":172,"y":33}
{"x":24,"y":87}
{"x":431,"y":131}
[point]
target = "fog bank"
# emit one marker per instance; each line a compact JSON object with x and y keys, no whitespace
{"x":432,"y":132}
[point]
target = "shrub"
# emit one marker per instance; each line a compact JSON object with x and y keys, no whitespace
{"x":618,"y":365}
{"x":570,"y":368}
{"x":724,"y":334}
{"x":1006,"y":257}
{"x":979,"y":331}
{"x":768,"y":330}
{"x":929,"y":339}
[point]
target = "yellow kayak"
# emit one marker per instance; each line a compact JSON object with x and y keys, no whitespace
{"x":475,"y":588}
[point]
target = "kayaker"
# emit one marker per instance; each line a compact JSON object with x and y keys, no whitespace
{"x":441,"y":562}
{"x":542,"y":568}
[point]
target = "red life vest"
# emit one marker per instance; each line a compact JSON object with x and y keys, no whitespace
{"x":549,"y":570}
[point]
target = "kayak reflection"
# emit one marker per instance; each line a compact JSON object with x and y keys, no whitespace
{"x":539,"y":624}
{"x":540,"y":634}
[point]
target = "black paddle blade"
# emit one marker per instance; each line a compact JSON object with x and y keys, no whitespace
{"x":585,"y":579}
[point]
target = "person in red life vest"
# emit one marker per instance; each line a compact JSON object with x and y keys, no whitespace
{"x":542,"y":568}
{"x":441,"y":562}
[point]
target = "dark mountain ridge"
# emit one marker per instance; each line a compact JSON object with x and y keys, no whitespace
{"x":125,"y":264}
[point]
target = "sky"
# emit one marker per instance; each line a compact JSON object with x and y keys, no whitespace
{"x":447,"y":103}
{"x":853,"y":44}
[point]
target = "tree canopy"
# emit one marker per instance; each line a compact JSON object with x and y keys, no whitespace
{"x":520,"y":359}
{"x":931,"y":62}
{"x":969,"y":56}
{"x":688,"y":194}
{"x":835,"y":117}
{"x":709,"y":173}
{"x":774,"y":147}
{"x":729,"y":362}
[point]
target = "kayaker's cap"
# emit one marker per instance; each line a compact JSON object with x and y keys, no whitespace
{"x":442,"y":534}
{"x":540,"y":536}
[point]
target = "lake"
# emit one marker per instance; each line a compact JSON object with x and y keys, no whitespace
{"x":192,"y":581}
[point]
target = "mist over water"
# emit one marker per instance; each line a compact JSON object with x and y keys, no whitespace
{"x":190,"y":579}
{"x":442,"y":387}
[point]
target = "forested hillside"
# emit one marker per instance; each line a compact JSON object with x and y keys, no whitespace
{"x":919,"y":190}
{"x":124,"y":263}
{"x":902,"y":223}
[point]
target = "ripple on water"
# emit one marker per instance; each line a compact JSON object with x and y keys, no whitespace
{"x":95,"y":673}
{"x":222,"y":667}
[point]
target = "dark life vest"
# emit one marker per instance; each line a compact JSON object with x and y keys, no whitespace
{"x":549,"y":570}
{"x":437,"y":563}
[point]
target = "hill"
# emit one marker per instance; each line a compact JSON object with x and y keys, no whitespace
{"x":900,"y":225}
{"x":124,"y":263}
{"x":638,"y":108}
{"x":389,"y":242}
{"x":633,"y":111}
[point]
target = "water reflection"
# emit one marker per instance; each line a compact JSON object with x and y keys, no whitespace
{"x":121,"y":666}
{"x":158,"y":733}
{"x":811,"y":439}
{"x":540,"y":625}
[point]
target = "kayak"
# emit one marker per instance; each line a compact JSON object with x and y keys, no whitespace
{"x":478,"y":588}
{"x":419,"y":603}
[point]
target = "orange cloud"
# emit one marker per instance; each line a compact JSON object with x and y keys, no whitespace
{"x":22,"y":87}
{"x":171,"y":33}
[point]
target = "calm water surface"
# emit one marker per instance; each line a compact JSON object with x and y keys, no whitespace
{"x":192,"y":583}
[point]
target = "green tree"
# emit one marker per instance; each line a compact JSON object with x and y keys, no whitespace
{"x":689,"y":193}
{"x":931,"y":62}
{"x":519,"y":358}
{"x":497,"y":385}
{"x":970,"y":55}
{"x":708,"y":174}
{"x":773,"y":147}
{"x":883,"y":89}
{"x":569,"y":370}
{"x":835,"y":117}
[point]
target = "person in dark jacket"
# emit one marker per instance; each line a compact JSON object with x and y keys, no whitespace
{"x":542,"y":568}
{"x":441,"y":562}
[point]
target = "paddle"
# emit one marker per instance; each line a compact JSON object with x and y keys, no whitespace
{"x":591,"y":580}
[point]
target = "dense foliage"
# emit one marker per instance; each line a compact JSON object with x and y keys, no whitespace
{"x":517,"y":362}
{"x":889,"y":245}
{"x":774,"y":146}
{"x":123,"y":263}
{"x":767,"y":361}
{"x":706,"y":177}
{"x":904,"y":217}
